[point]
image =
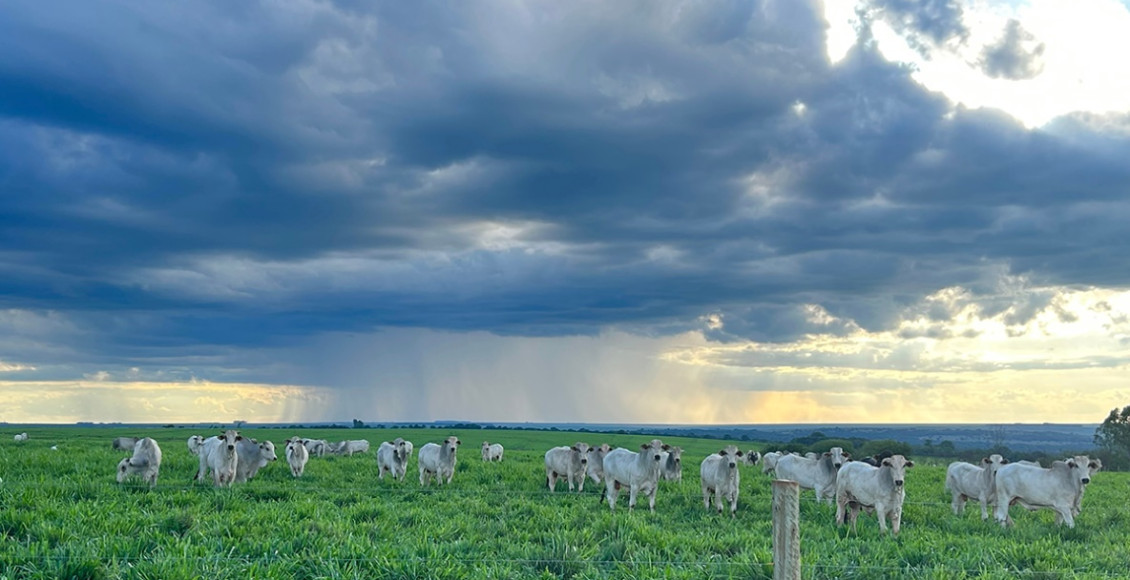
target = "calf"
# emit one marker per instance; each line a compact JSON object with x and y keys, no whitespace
{"x":815,"y":474}
{"x":1056,"y":487}
{"x":751,"y":457}
{"x":19,"y":437}
{"x":719,"y":475}
{"x":568,"y":462}
{"x":967,"y":481}
{"x":671,"y":464}
{"x":253,"y":456}
{"x":146,"y":462}
{"x":491,"y":452}
{"x":219,"y":454}
{"x":861,"y":485}
{"x":392,"y":458}
{"x":638,"y":471}
{"x":124,"y":443}
{"x":296,"y":456}
{"x":438,"y":460}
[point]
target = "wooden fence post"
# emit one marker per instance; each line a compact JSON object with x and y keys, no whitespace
{"x":786,"y":530}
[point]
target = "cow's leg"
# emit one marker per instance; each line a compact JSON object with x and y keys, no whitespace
{"x":706,"y":496}
{"x":633,"y":491}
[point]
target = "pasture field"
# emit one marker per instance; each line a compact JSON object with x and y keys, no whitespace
{"x":62,"y":515}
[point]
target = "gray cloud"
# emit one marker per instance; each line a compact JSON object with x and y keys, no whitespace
{"x":1015,"y":56}
{"x":190,"y":182}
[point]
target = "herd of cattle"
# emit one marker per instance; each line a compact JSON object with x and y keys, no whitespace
{"x":874,"y":484}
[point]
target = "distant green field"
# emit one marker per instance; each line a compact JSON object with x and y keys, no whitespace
{"x":62,"y":515}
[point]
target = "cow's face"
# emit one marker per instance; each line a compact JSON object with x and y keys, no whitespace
{"x":452,"y":444}
{"x":838,"y":456}
{"x":655,"y":449}
{"x":582,"y":449}
{"x":898,"y":465}
{"x":267,"y":451}
{"x":730,"y":455}
{"x":1082,"y":467}
{"x":123,"y":470}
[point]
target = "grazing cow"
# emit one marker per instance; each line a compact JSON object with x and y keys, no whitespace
{"x":1056,"y":487}
{"x":438,"y":460}
{"x":719,"y":475}
{"x":596,"y":461}
{"x":671,"y":464}
{"x":769,"y":461}
{"x":967,"y":481}
{"x":219,"y":454}
{"x":20,"y":437}
{"x":491,"y":452}
{"x":861,"y":485}
{"x":638,"y":471}
{"x":124,"y":443}
{"x":568,"y":462}
{"x":348,"y":448}
{"x":194,"y":444}
{"x":392,"y":458}
{"x":317,"y":447}
{"x":296,"y":456}
{"x":253,"y":456}
{"x":816,"y":474}
{"x":145,"y":462}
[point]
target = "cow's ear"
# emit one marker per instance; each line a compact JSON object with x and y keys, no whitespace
{"x":910,"y":464}
{"x":985,"y":460}
{"x":1094,"y":465}
{"x":827,"y":454}
{"x":1004,"y":462}
{"x":223,"y":437}
{"x":239,"y":437}
{"x":846,"y":455}
{"x":574,"y":448}
{"x":739,"y":453}
{"x":458,"y":442}
{"x":643,"y":446}
{"x":1071,"y":464}
{"x":666,"y":447}
{"x":887,"y":462}
{"x":722,"y":453}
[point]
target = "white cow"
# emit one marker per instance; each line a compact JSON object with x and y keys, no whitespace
{"x":19,"y":437}
{"x":719,"y":476}
{"x":1096,"y":464}
{"x":638,"y":471}
{"x":296,"y":456}
{"x":568,"y":462}
{"x":751,"y":457}
{"x":194,"y":444}
{"x":967,"y":481}
{"x":815,"y":474}
{"x":124,"y":443}
{"x":862,"y":485}
{"x":145,"y":462}
{"x":491,"y":452}
{"x":253,"y":456}
{"x":219,"y":454}
{"x":671,"y":464}
{"x":1057,"y":487}
{"x":317,"y":447}
{"x":392,"y":458}
{"x":348,"y":448}
{"x":769,"y":461}
{"x":438,"y":460}
{"x":596,"y":461}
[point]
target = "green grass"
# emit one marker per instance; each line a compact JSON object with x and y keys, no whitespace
{"x":62,"y":515}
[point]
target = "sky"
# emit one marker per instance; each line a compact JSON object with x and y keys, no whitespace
{"x":652,"y":211}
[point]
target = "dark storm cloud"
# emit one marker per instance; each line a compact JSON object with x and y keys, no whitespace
{"x":199,"y":178}
{"x":927,"y":23}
